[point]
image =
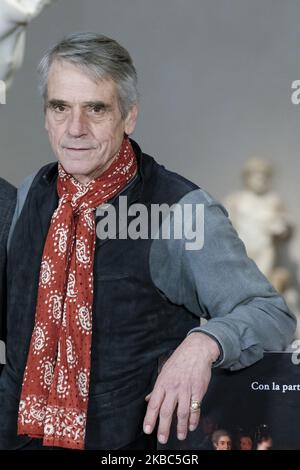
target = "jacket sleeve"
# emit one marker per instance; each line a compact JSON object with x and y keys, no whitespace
{"x":218,"y":281}
{"x":7,"y":205}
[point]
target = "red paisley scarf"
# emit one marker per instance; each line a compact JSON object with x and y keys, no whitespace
{"x":55,"y":390}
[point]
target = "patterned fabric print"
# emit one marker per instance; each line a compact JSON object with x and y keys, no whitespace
{"x":54,"y":398}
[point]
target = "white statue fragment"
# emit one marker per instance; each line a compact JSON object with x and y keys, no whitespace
{"x":261,"y":220}
{"x":14,"y":17}
{"x":258,"y":214}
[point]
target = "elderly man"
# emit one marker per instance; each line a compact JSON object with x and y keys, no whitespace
{"x":7,"y":205}
{"x":89,"y":317}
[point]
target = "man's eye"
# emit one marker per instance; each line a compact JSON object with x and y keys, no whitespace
{"x":59,"y":108}
{"x":97,"y":109}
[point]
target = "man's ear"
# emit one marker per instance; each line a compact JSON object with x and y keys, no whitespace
{"x":130,"y":120}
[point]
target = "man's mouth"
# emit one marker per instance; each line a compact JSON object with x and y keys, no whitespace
{"x":78,"y":149}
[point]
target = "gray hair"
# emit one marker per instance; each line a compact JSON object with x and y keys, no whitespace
{"x":101,"y":58}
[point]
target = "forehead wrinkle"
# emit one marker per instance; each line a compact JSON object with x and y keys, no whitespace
{"x":69,"y":83}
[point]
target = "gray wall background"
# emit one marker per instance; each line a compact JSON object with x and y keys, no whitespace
{"x":215,"y":78}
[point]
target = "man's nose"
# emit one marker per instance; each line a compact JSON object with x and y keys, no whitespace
{"x":77,"y":124}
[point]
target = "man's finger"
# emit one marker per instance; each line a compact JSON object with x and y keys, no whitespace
{"x":195,"y":411}
{"x":183,"y":415}
{"x":153,"y":408}
{"x":165,"y":418}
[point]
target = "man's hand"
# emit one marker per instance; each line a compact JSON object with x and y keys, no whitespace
{"x":184,"y":377}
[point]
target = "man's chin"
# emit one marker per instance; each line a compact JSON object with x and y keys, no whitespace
{"x":75,"y":168}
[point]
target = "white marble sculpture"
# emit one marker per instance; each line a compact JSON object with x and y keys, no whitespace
{"x":14,"y":18}
{"x":258,"y":214}
{"x":261,"y":220}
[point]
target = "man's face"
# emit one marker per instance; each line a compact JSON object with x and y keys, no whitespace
{"x":83,"y":121}
{"x":224,"y":443}
{"x":246,"y":443}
